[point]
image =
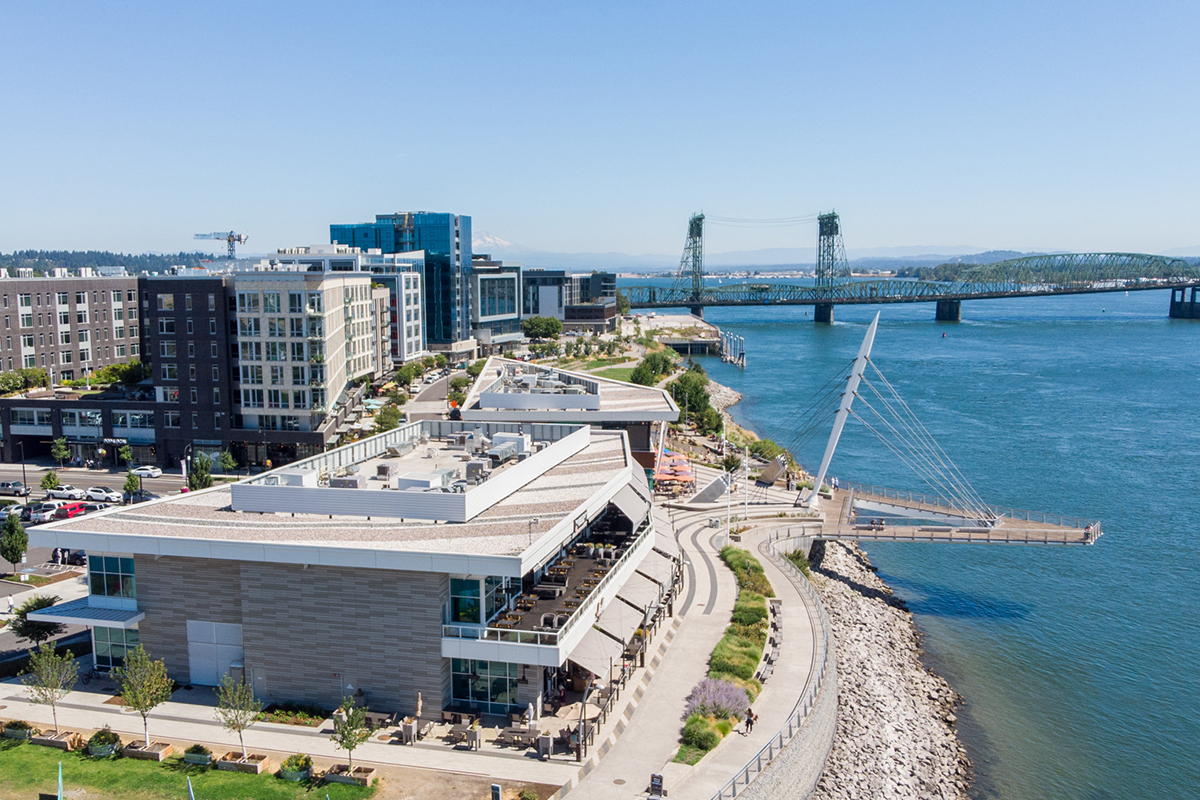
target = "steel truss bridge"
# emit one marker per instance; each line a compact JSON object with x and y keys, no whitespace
{"x":1032,"y":276}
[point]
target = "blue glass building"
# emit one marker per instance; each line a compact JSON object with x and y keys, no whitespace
{"x":446,"y":240}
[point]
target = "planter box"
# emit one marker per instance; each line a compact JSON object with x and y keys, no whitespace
{"x":17,"y":733}
{"x":157,"y":751}
{"x":103,"y":751}
{"x":198,"y":758}
{"x":294,"y":775}
{"x":67,"y":740}
{"x":254,"y":763}
{"x":339,"y":773}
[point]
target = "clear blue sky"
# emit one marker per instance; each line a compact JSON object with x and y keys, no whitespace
{"x":602,"y":126}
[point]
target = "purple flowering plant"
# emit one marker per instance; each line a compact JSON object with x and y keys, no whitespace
{"x":713,"y":697}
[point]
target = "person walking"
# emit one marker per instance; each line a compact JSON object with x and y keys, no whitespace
{"x":10,"y":605}
{"x":750,"y":721}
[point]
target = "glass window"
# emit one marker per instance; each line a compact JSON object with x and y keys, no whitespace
{"x":166,"y":302}
{"x":112,"y":644}
{"x":270,"y":302}
{"x":489,"y":685}
{"x":166,"y":325}
{"x":248,"y":302}
{"x":464,"y":600}
{"x":110,"y":576}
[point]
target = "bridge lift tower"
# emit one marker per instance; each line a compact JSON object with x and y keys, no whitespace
{"x":690,"y":279}
{"x":231,"y":238}
{"x":831,"y":260}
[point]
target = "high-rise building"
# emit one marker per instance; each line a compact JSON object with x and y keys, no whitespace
{"x":584,"y":302}
{"x":446,"y":240}
{"x":495,"y":303}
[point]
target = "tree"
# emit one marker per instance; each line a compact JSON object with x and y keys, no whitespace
{"x":14,"y":541}
{"x":458,"y":398}
{"x":731,"y":463}
{"x":643,"y":375}
{"x":125,"y":454}
{"x":440,"y":361}
{"x":690,"y":393}
{"x":200,"y":475}
{"x":226,"y":461}
{"x":50,"y":480}
{"x":475,"y":369}
{"x":50,"y":677}
{"x":541,"y":328}
{"x":429,"y":362}
{"x":237,"y":708}
{"x":144,"y":684}
{"x":459,"y":382}
{"x":132,"y":484}
{"x":36,"y":632}
{"x":623,"y":306}
{"x":59,"y":450}
{"x":386,"y":419}
{"x":350,"y":729}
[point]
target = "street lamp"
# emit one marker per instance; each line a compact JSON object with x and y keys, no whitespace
{"x":186,"y":461}
{"x":24,"y":480}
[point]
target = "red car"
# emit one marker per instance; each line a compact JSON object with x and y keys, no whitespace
{"x":70,"y":510}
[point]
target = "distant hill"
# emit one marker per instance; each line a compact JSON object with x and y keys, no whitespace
{"x":43,"y":260}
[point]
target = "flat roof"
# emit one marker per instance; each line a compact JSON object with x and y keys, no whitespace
{"x":497,"y":394}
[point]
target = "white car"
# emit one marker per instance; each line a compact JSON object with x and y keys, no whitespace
{"x":147,"y":472}
{"x":103,"y":494}
{"x":65,"y":493}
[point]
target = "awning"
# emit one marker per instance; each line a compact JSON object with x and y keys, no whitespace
{"x":596,"y":652}
{"x":620,"y":620}
{"x":78,"y":612}
{"x":632,"y":505}
{"x":659,"y":568}
{"x":640,"y":590}
{"x":666,"y":544}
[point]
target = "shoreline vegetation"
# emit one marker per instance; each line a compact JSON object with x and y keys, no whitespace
{"x":895,"y":733}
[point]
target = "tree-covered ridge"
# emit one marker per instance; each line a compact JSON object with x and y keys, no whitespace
{"x":43,"y":260}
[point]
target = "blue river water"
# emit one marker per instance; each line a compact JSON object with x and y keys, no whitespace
{"x":1080,"y":666}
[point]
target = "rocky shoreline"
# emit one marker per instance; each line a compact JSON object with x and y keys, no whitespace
{"x":895,"y":731}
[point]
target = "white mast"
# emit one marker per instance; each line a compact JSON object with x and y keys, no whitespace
{"x":856,"y":374}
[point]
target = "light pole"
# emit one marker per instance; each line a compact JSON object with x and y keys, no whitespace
{"x":186,"y":461}
{"x":24,"y":480}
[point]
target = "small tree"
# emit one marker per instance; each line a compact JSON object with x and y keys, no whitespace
{"x":125,"y":454}
{"x":36,"y":632}
{"x":350,"y":730}
{"x":386,"y":419}
{"x":14,"y":541}
{"x":731,"y":463}
{"x":50,"y":677}
{"x":144,"y":684}
{"x":237,"y":708}
{"x":542,"y":328}
{"x":200,"y":475}
{"x":226,"y":461}
{"x":50,"y":480}
{"x":439,"y":361}
{"x":132,"y":484}
{"x":59,"y":450}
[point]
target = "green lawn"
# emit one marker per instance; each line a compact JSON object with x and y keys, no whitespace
{"x":28,"y":769}
{"x":616,"y":373}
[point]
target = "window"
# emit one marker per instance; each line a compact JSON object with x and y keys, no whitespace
{"x":195,"y":418}
{"x":276,"y":376}
{"x":30,"y":360}
{"x":464,"y":600}
{"x":27,"y":340}
{"x":212,"y":303}
{"x":216,"y":396}
{"x":289,"y":422}
{"x":316,"y":328}
{"x":251,"y":351}
{"x":276,"y":351}
{"x":249,"y":326}
{"x":490,"y":686}
{"x":212,"y":349}
{"x":130,"y":296}
{"x":191,"y":327}
{"x":132,"y":313}
{"x":66,"y":356}
{"x":166,"y":302}
{"x":25,"y":300}
{"x":295,"y":302}
{"x":110,"y":576}
{"x":170,"y":372}
{"x":277,"y":398}
{"x":187,"y":302}
{"x":120,"y":350}
{"x":268,"y":422}
{"x":83,"y":336}
{"x":216,"y":373}
{"x":247,"y":302}
{"x":111,"y":645}
{"x":30,"y":416}
{"x":316,"y":303}
{"x":166,"y":325}
{"x":270,"y":302}
{"x":85,"y":355}
{"x":169,"y":394}
{"x":166,"y":347}
{"x":298,"y":377}
{"x":27,"y":320}
{"x":300,"y":399}
{"x":116,"y":295}
{"x":191,"y":371}
{"x":119,"y":332}
{"x":217,"y":421}
{"x":277,"y":327}
{"x":64,"y":318}
{"x":252,"y":374}
{"x":133,"y":419}
{"x":133,"y":349}
{"x":61,"y":298}
{"x":171,"y":418}
{"x":252,"y":398}
{"x":212,"y":326}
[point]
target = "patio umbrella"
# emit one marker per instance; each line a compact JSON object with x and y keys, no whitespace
{"x":418,"y":705}
{"x":572,"y":712}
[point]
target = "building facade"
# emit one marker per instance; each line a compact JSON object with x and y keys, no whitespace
{"x":495,"y":304}
{"x":68,"y":325}
{"x":585,"y":302}
{"x":446,"y":241}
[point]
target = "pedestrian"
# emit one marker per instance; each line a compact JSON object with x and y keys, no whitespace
{"x":749,"y":721}
{"x":57,"y":557}
{"x":10,"y":605}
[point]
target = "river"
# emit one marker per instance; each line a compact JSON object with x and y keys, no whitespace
{"x":1079,"y":665}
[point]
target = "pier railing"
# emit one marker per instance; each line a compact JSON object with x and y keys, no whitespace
{"x":824,"y":670}
{"x":1000,"y":511}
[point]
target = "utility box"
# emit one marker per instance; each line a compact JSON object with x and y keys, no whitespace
{"x":476,"y":470}
{"x":523,"y":441}
{"x":298,"y":477}
{"x":386,"y":471}
{"x":502,"y":453}
{"x":349,"y":482}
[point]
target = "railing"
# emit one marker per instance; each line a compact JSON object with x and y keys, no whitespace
{"x":1001,"y":511}
{"x":513,"y":636}
{"x":822,"y":651}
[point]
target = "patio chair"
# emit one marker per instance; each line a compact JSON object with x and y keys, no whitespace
{"x":547,"y":620}
{"x":560,"y":620}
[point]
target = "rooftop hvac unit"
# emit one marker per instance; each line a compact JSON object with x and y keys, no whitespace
{"x":356,"y":481}
{"x":502,"y":453}
{"x":476,"y":470}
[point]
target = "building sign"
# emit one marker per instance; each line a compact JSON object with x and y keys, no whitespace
{"x":115,"y":440}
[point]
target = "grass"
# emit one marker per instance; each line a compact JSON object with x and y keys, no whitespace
{"x":33,"y":580}
{"x":689,"y":755}
{"x":616,"y":373}
{"x":29,"y":769}
{"x":747,"y":570}
{"x":801,"y":561}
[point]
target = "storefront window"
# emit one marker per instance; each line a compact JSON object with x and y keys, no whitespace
{"x":490,"y":686}
{"x":111,"y":644}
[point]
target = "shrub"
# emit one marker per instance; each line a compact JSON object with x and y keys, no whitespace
{"x":104,"y":737}
{"x":19,"y":725}
{"x":527,"y":794}
{"x":717,"y":698}
{"x":748,"y":571}
{"x":298,"y":762}
{"x":724,"y":727}
{"x":198,"y":750}
{"x":735,"y":656}
{"x":698,"y":732}
{"x":749,"y":609}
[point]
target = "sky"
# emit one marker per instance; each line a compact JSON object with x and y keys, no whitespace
{"x":601,"y":127}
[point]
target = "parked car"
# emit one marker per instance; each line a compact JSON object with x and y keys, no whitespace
{"x":14,"y":489}
{"x":69,"y":510}
{"x":140,"y":496}
{"x":76,"y":558}
{"x":103,"y":494}
{"x":147,"y":471}
{"x":17,"y":509}
{"x":65,"y":492}
{"x":44,"y":512}
{"x":90,"y":507}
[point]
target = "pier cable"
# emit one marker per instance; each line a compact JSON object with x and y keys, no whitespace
{"x":948,"y":481}
{"x":928,"y":437}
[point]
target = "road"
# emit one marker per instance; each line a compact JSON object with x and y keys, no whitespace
{"x":431,"y":402}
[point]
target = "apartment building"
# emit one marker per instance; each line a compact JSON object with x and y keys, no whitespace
{"x":584,"y":302}
{"x":495,"y":304}
{"x":68,"y":325}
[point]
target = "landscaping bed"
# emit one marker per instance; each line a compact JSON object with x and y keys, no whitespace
{"x":305,"y":714}
{"x":155,"y":751}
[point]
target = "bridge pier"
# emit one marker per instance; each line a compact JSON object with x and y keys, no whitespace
{"x":1185,"y":303}
{"x":823,"y":312}
{"x":949,"y":311}
{"x":696,"y":311}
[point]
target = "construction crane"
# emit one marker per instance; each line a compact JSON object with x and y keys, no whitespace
{"x":231,"y":238}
